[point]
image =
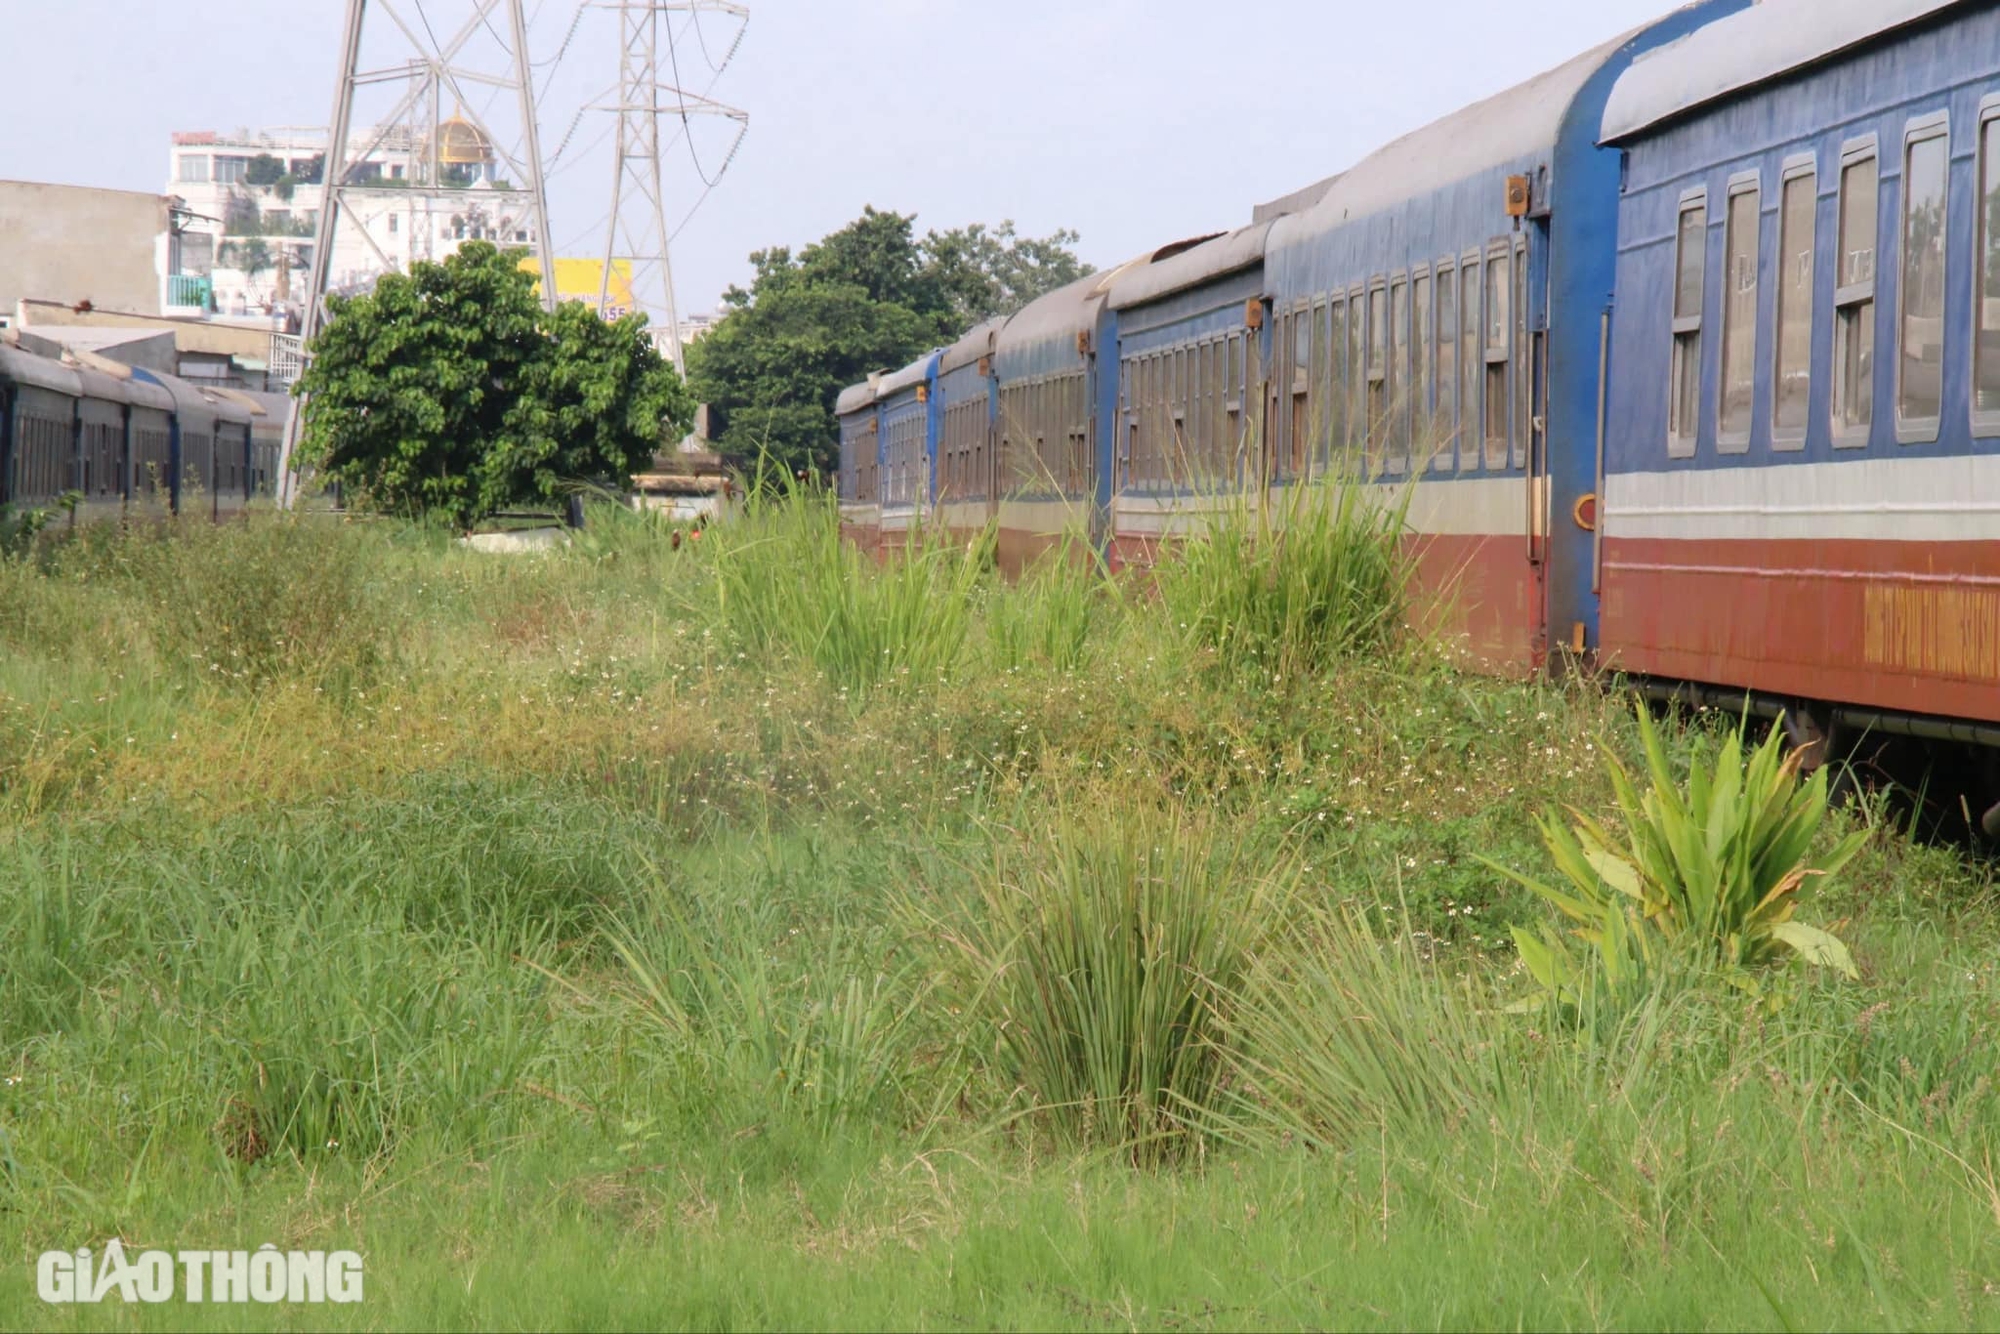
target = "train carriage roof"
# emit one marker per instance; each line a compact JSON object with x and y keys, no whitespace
{"x":910,"y":376}
{"x":191,"y":398}
{"x":1502,"y":129}
{"x":1239,"y":250}
{"x":129,"y":388}
{"x":856,"y":397}
{"x":1770,"y":39}
{"x":977,"y":342}
{"x":1043,"y":336}
{"x":25,"y":368}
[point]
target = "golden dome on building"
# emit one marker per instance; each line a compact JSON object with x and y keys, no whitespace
{"x":460,"y":143}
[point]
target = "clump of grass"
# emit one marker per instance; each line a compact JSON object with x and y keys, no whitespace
{"x":1107,"y":948}
{"x":1349,"y":1034}
{"x":1051,"y":616}
{"x":786,"y":583}
{"x":1712,"y":874}
{"x":1295,"y":591}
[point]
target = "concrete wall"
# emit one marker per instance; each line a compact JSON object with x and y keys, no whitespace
{"x":71,"y":244}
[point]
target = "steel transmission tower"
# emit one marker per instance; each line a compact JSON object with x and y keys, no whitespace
{"x":636,"y":231}
{"x":486,"y":152}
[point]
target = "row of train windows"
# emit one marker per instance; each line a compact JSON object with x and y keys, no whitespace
{"x":1920,"y":334}
{"x":962,"y":461}
{"x":1427,"y":369}
{"x":906,"y":459}
{"x":863,"y":471}
{"x":1185,"y":410}
{"x":1045,"y":435}
{"x":44,"y":464}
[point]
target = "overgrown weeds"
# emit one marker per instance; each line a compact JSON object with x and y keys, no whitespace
{"x":1106,"y":949}
{"x":1293,"y":590}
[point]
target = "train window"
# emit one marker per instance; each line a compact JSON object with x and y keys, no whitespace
{"x":1423,"y":429}
{"x":1399,"y":376}
{"x":1469,"y":325}
{"x":1920,"y":333}
{"x":1499,"y":327}
{"x":1302,"y":423}
{"x":1690,"y":262}
{"x":1357,"y":378}
{"x":1378,"y":376}
{"x":1214,"y":366}
{"x":1986,"y":372}
{"x":1335,"y":389}
{"x":1742,"y":233}
{"x":1445,"y":427}
{"x":1854,"y":301}
{"x":1229,"y":407}
{"x":1791,"y":378}
{"x":1326,"y":379}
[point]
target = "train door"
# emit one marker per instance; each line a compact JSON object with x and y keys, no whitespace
{"x":1531,"y":339}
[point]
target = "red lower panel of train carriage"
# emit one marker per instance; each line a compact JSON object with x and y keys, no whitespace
{"x":1896,"y":625}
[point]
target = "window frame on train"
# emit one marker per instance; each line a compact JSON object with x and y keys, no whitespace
{"x":1737,"y":367}
{"x":1854,"y":306}
{"x":1496,"y":449}
{"x":1445,"y":275}
{"x":1798,"y":172}
{"x":1684,"y":397}
{"x":1985,"y":338}
{"x":1921,"y":132}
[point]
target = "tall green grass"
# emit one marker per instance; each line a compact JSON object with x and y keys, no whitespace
{"x":581,"y":959}
{"x":1293,"y":590}
{"x":788,"y":585}
{"x":1105,"y":949}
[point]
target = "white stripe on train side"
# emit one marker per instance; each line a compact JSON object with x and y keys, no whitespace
{"x":1954,"y":499}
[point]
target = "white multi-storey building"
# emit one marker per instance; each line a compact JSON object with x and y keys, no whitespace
{"x":253,"y":201}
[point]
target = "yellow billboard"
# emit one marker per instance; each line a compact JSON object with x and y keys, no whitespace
{"x":582,"y":280}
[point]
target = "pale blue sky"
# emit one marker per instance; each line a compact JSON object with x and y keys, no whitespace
{"x":1133,"y":121}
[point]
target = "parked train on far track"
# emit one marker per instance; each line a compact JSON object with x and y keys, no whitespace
{"x":1685,"y":355}
{"x":105,"y":440}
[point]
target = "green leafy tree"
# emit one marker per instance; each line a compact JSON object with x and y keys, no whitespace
{"x":869,"y":297}
{"x":981,"y":272}
{"x":590,"y":407}
{"x":449,"y":392}
{"x":263,"y":170}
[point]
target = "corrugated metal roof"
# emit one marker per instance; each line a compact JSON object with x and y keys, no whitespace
{"x":977,"y":343}
{"x":1241,"y":249}
{"x":1770,"y":39}
{"x":1504,"y":128}
{"x":911,"y":375}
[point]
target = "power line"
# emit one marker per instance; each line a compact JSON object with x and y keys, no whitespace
{"x":674,"y":57}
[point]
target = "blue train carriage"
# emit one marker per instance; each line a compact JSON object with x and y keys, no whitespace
{"x":125,"y":440}
{"x":1055,"y":368}
{"x":1045,"y":362}
{"x":1804,"y":444}
{"x":270,"y":416}
{"x":860,"y":464}
{"x":968,"y":399}
{"x":40,"y":402}
{"x":1192,"y":351}
{"x":210,"y":446}
{"x":909,"y":436}
{"x":1441,"y":312}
